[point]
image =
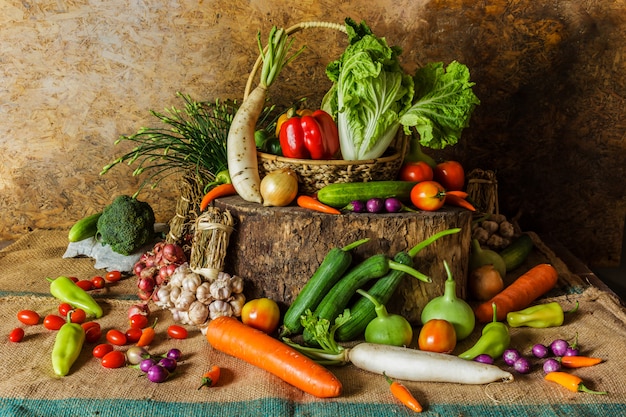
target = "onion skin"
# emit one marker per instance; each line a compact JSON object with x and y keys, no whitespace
{"x":279,"y":188}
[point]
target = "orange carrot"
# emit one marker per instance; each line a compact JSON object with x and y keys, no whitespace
{"x":579,"y":361}
{"x":311,"y":203}
{"x":460,"y":194}
{"x":524,"y":290}
{"x":221,"y":190}
{"x":455,"y":200}
{"x":403,"y":394}
{"x":229,"y":335}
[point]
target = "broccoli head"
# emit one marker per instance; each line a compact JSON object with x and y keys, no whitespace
{"x":126,"y":224}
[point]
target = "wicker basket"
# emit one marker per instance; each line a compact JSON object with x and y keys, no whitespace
{"x":314,"y":174}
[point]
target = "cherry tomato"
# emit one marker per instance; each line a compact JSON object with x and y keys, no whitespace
{"x":85,"y":284}
{"x":428,"y":195}
{"x":78,"y":315}
{"x":437,"y":335}
{"x":93,"y":331}
{"x":262,"y":314}
{"x":102,"y":349}
{"x":74,"y":279}
{"x":16,"y":335}
{"x":116,"y":337}
{"x":451,"y":175}
{"x":114,"y":359}
{"x":28,"y":317}
{"x":98,"y":282}
{"x":416,"y":171}
{"x":138,"y":321}
{"x":113,"y":276}
{"x":53,"y":322}
{"x":177,"y":332}
{"x":133,"y":334}
{"x":65,"y":308}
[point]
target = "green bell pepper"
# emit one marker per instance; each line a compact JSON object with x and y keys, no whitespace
{"x":67,"y":291}
{"x":539,"y":316}
{"x":67,"y":346}
{"x":494,"y":340}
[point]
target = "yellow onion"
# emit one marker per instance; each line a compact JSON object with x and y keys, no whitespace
{"x":279,"y":188}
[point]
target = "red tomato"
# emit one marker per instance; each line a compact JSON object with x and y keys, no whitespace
{"x":28,"y":317}
{"x":74,"y":279}
{"x":78,"y":315}
{"x":113,"y":276}
{"x":416,"y":171}
{"x":177,"y":332}
{"x":65,"y":308}
{"x":437,"y":336}
{"x":262,"y":314}
{"x":133,"y":334}
{"x":98,"y":282}
{"x":102,"y":349}
{"x":428,"y":195}
{"x":53,"y":322}
{"x":138,"y":321}
{"x":116,"y":337}
{"x":93,"y":331}
{"x":16,"y":335}
{"x":114,"y":359}
{"x":85,"y":284}
{"x":451,"y":175}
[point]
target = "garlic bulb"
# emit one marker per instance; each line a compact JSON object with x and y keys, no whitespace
{"x":203,"y":293}
{"x":184,"y":301}
{"x":198,"y":312}
{"x":191,"y":282}
{"x":236,"y":302}
{"x":219,"y":308}
{"x":220,"y":289}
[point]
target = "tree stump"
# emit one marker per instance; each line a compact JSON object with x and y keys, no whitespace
{"x":277,"y":249}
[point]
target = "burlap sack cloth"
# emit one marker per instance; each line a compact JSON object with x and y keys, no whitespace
{"x":28,"y":387}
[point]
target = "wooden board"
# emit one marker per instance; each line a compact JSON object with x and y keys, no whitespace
{"x":277,"y":249}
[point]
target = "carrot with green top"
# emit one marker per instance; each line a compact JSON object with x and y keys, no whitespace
{"x":571,"y":382}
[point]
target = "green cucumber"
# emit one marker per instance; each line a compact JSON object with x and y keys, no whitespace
{"x":84,"y":228}
{"x":363,"y":311}
{"x":339,"y":195}
{"x":516,"y":253}
{"x":335,"y":264}
{"x":337,"y":299}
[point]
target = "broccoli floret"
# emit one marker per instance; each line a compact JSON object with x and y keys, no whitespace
{"x":126,"y":224}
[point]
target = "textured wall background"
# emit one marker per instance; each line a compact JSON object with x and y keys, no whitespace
{"x":77,"y":74}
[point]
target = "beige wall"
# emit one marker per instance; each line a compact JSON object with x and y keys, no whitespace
{"x":74,"y":75}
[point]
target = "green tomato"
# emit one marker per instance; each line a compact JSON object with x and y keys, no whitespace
{"x":387,"y":329}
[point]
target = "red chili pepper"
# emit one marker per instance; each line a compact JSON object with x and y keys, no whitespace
{"x":579,"y":361}
{"x":310,"y":137}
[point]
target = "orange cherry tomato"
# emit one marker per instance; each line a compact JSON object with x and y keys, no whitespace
{"x":177,"y":332}
{"x":450,"y":174}
{"x":28,"y":317}
{"x":53,"y":322}
{"x":262,"y":314}
{"x":437,"y":335}
{"x":416,"y":172}
{"x":428,"y":195}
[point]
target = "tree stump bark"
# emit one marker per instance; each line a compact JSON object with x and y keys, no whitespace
{"x":277,"y":249}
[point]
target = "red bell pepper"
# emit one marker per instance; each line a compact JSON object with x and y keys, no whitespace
{"x":312,"y":136}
